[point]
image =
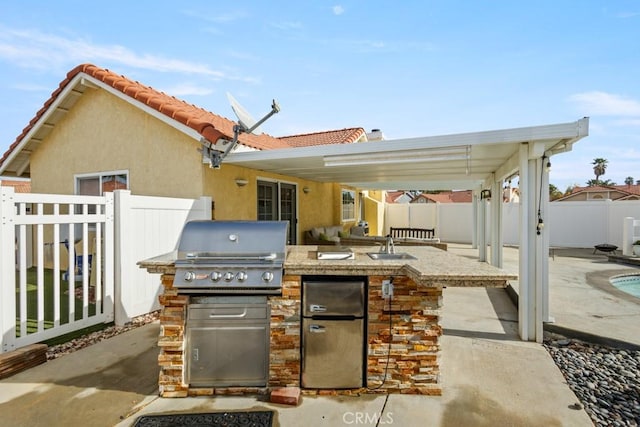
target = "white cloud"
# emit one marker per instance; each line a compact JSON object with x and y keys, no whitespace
{"x":337,"y":10}
{"x":606,"y":104}
{"x":37,"y":50}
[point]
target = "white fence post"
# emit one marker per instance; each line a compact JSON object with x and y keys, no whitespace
{"x":627,"y":236}
{"x":121,"y":252}
{"x":7,"y":270}
{"x":109,"y":257}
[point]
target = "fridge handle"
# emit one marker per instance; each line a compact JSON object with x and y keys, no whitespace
{"x":317,"y":329}
{"x":316,"y":308}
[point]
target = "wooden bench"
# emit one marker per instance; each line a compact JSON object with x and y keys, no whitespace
{"x":413,"y":233}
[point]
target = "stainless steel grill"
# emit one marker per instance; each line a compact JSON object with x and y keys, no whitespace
{"x":231,"y":257}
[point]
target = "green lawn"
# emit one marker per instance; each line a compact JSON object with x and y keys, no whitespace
{"x":32,"y":300}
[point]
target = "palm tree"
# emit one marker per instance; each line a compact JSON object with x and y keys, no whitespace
{"x":599,"y":167}
{"x":628,"y":180}
{"x":554,"y":193}
{"x":605,"y":183}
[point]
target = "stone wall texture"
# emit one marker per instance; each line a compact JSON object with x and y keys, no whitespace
{"x":403,"y":341}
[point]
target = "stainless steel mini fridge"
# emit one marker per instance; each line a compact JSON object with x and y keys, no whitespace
{"x":333,"y":332}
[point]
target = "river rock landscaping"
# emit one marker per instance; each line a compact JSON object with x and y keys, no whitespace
{"x":605,"y":379}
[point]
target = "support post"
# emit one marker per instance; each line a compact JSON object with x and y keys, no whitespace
{"x":496,"y":224}
{"x":7,"y":270}
{"x":523,"y":261}
{"x":533,"y":277}
{"x":474,"y":234}
{"x":482,"y":230}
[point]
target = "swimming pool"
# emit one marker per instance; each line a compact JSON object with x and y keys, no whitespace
{"x":629,"y":283}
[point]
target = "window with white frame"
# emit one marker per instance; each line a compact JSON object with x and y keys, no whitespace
{"x":348,"y":205}
{"x":100,"y":183}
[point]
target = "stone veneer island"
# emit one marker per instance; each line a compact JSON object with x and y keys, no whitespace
{"x":411,"y":347}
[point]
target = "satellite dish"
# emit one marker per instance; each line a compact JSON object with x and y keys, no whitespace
{"x":246,"y":124}
{"x":245,"y":119}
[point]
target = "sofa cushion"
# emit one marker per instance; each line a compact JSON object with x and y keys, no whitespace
{"x":333,"y":231}
{"x":324,"y":236}
{"x":316,"y":232}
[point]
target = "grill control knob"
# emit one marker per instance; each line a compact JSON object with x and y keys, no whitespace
{"x":228,"y":276}
{"x":242,"y":276}
{"x":215,"y":276}
{"x":267,"y":276}
{"x":189,"y":276}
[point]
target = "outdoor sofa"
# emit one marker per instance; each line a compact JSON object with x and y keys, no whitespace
{"x":336,"y":235}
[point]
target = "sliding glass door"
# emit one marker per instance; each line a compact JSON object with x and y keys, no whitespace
{"x":277,"y":201}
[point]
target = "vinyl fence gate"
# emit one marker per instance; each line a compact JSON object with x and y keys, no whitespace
{"x":56,"y":265}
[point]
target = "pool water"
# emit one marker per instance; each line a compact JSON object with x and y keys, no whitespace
{"x":629,"y":283}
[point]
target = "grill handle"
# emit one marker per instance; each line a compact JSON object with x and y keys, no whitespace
{"x":213,"y":315}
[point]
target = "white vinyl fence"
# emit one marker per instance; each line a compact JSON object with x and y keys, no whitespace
{"x":146,"y":227}
{"x":70,"y":262}
{"x":571,"y":224}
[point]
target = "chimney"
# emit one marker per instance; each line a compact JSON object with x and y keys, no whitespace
{"x":375,"y":135}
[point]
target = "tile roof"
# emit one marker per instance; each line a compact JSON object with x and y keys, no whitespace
{"x":392,"y":196}
{"x":19,"y":186}
{"x":342,"y":136}
{"x":626,"y":190}
{"x":209,"y":125}
{"x":464,"y":196}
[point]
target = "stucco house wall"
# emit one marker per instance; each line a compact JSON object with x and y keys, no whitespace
{"x":103,"y":133}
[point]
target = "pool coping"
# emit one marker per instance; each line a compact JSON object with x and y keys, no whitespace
{"x":600,"y":280}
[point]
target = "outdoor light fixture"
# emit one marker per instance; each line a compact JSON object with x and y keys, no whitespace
{"x":546,"y":165}
{"x":540,"y":225}
{"x":306,"y":190}
{"x":460,"y":152}
{"x":485,"y":195}
{"x":241,"y":182}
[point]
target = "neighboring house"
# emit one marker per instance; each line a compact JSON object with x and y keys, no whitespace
{"x":343,"y":136}
{"x":511,"y":194}
{"x":610,"y":192}
{"x":21,"y":186}
{"x":399,"y":197}
{"x":101,"y":131}
{"x":463,"y":196}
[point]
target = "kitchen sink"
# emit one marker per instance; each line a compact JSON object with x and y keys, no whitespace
{"x":387,"y":256}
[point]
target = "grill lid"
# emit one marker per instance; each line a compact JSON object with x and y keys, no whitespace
{"x":229,"y":241}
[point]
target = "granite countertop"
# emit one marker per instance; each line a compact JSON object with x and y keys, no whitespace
{"x":433,"y":267}
{"x":161,"y":263}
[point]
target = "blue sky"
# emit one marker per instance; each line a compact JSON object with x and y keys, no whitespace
{"x":409,"y":68}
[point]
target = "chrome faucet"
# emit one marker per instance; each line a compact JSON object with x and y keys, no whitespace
{"x":388,"y":247}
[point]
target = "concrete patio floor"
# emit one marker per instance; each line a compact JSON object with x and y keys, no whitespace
{"x":489,"y":376}
{"x":581,"y":299}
